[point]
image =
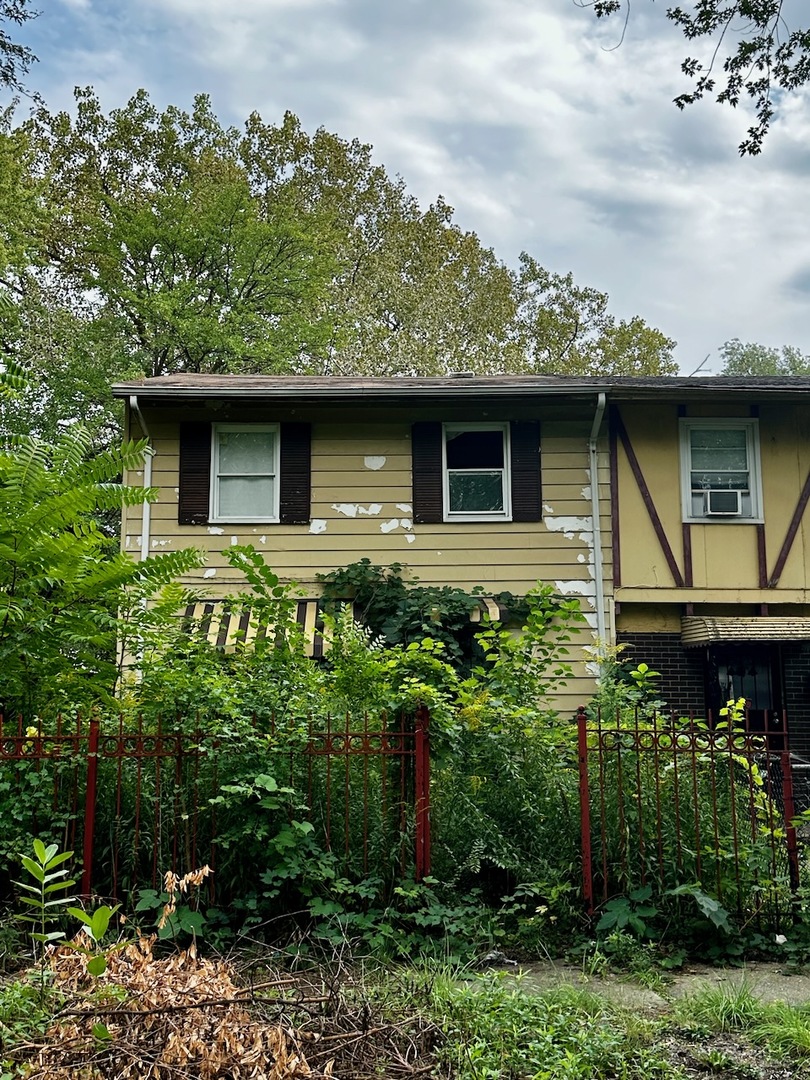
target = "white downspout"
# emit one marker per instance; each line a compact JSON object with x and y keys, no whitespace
{"x":599,"y":578}
{"x":146,"y":517}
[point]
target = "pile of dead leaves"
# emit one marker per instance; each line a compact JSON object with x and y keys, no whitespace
{"x":190,"y":1016}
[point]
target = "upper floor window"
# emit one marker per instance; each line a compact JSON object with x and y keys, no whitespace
{"x":720,"y":470}
{"x":244,"y":472}
{"x":476,"y":472}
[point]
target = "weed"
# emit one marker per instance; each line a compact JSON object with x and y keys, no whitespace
{"x":784,"y":1029}
{"x":734,"y":1007}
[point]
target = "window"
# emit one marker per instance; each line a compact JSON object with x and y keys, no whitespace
{"x":476,"y":472}
{"x":244,"y":472}
{"x":277,"y":471}
{"x":720,"y":473}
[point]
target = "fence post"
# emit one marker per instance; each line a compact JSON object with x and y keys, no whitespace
{"x":90,"y":805}
{"x":585,"y":809}
{"x":790,"y":813}
{"x":422,"y":792}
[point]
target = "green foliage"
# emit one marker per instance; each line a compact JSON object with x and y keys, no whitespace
{"x":751,"y":359}
{"x":148,"y":241}
{"x":42,"y":902}
{"x":732,"y":1007}
{"x":767,"y":57}
{"x":404,"y":612}
{"x":494,"y":1029}
{"x":15,"y":59}
{"x":66,"y":596}
{"x":629,"y":912}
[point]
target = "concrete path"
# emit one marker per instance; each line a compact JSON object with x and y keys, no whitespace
{"x":766,"y":980}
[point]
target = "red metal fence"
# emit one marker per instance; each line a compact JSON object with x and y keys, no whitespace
{"x":138,"y":801}
{"x":674,"y":803}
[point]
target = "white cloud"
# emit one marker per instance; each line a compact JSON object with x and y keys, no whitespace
{"x":516,"y":112}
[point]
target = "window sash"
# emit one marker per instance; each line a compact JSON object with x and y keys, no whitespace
{"x":720,"y":454}
{"x":504,"y":513}
{"x":221,"y":475}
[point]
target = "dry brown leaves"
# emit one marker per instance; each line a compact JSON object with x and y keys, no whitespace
{"x":186,"y":1016}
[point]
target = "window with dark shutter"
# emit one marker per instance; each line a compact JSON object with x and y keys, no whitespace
{"x":294,"y":468}
{"x":426,"y":462}
{"x":476,"y":472}
{"x":195,"y":473}
{"x":295,"y":474}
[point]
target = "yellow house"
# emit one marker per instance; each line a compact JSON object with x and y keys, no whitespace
{"x":673,"y":508}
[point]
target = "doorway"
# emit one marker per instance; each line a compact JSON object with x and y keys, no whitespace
{"x":752,"y":671}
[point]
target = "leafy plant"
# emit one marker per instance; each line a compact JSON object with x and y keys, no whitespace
{"x":633,"y":911}
{"x":42,"y":900}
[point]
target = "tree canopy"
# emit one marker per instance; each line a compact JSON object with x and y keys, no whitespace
{"x":761,"y":55}
{"x":748,"y":358}
{"x":147,"y":242}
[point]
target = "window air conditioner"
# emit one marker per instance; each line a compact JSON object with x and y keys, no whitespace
{"x":723,"y":503}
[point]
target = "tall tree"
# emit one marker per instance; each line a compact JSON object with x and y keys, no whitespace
{"x":748,"y":358}
{"x":564,"y":327}
{"x":761,"y":55}
{"x":153,"y":242}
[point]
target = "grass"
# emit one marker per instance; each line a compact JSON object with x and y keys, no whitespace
{"x":733,"y":1007}
{"x":496,"y":1031}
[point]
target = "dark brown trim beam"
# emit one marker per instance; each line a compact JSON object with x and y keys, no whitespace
{"x":790,"y":535}
{"x":674,"y":569}
{"x":762,"y":558}
{"x":687,"y":554}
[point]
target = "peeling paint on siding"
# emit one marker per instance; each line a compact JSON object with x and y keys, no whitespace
{"x":347,"y":509}
{"x":371,"y":511}
{"x":389,"y":526}
{"x":234,"y":541}
{"x":580,"y":557}
{"x":586,"y":493}
{"x":373,"y":461}
{"x":548,"y":509}
{"x":406,"y":524}
{"x":210,"y":572}
{"x":126,"y":542}
{"x":215,"y":531}
{"x":568,"y":524}
{"x":160,"y":543}
{"x":317,"y":525}
{"x":262,"y":539}
{"x":406,"y":508}
{"x":410,"y":538}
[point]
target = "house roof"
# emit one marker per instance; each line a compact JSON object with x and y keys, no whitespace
{"x":460,"y":386}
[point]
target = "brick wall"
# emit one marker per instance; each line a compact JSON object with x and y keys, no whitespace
{"x":796,"y":668}
{"x":682,"y":679}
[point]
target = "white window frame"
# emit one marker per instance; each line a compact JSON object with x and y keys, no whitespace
{"x":216,"y":430}
{"x":751,"y":428}
{"x":484,"y":515}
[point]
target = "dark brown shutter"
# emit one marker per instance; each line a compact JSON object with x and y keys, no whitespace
{"x":426,"y":462}
{"x":195,"y":473}
{"x":295,"y":474}
{"x":525,"y":455}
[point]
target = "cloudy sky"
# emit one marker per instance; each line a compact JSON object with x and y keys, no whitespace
{"x":521,"y":113}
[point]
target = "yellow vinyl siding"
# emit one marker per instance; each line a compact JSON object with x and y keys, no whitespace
{"x":724,"y":554}
{"x":496,"y":555}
